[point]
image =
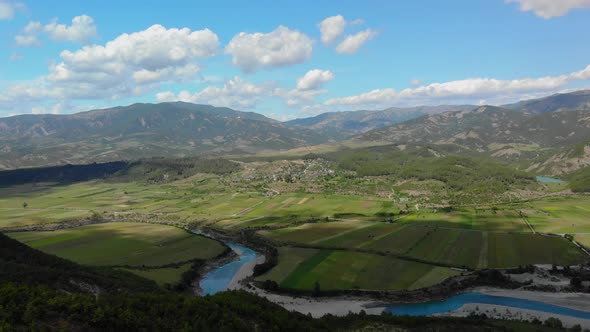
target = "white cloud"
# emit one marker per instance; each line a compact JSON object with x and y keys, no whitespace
{"x":358,"y":21}
{"x":26,"y":40}
{"x":16,"y":57}
{"x":235,"y":93}
{"x":415,"y":82}
{"x":129,"y":65}
{"x":307,"y":89}
{"x":469,"y":90}
{"x":8,"y":9}
{"x":57,"y":108}
{"x":331,"y":28}
{"x":279,"y":48}
{"x":551,"y":8}
{"x":352,"y":43}
{"x":81,"y":30}
{"x":239,"y":94}
{"x":296,"y":97}
{"x":314,"y":79}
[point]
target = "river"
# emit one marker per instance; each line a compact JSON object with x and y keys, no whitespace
{"x":227,"y":276}
{"x":455,"y":302}
{"x":220,"y":278}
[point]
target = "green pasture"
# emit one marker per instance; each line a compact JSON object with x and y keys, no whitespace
{"x":512,"y":250}
{"x":133,"y":244}
{"x":315,"y":232}
{"x":447,"y":246}
{"x":560,"y":215}
{"x":485,"y":219}
{"x":320,"y":205}
{"x":340,"y":270}
{"x":162,"y":276}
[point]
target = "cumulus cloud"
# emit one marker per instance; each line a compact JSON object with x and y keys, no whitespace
{"x":332,"y":27}
{"x":352,"y":43}
{"x":551,"y":8}
{"x":235,"y":93}
{"x":297,"y":97}
{"x":9,"y":9}
{"x":26,"y":40}
{"x":81,"y":30}
{"x":131,"y":64}
{"x":470,"y":90}
{"x":307,"y":89}
{"x":239,"y":94}
{"x":314,"y":79}
{"x":279,"y":48}
{"x":57,"y":108}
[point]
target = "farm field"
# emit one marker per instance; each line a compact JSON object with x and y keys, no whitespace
{"x":506,"y":219}
{"x":446,"y":246}
{"x":338,"y":270}
{"x":583,"y":239}
{"x":116,"y":244}
{"x":465,"y":236}
{"x":511,"y":250}
{"x":560,"y":214}
{"x":321,"y":205}
{"x":163,"y":276}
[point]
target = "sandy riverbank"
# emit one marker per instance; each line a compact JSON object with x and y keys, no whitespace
{"x":510,"y":313}
{"x":340,"y":306}
{"x":578,"y":301}
{"x":245,"y":270}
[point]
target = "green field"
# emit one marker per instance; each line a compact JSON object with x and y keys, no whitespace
{"x":476,"y":237}
{"x":448,"y":246}
{"x":338,"y":270}
{"x":132,"y":244}
{"x":471,"y":218}
{"x":511,"y":250}
{"x":162,"y":276}
{"x":560,"y":214}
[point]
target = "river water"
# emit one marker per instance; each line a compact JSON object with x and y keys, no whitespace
{"x":457,"y":301}
{"x":220,"y":278}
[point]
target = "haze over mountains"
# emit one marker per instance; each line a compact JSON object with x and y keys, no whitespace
{"x":549,"y":133}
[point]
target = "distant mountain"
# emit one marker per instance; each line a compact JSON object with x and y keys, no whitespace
{"x":497,"y":131}
{"x":563,"y":161}
{"x":345,"y":124}
{"x":578,"y":100}
{"x":142,"y":130}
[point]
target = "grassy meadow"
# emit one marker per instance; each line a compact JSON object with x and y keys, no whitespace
{"x":132,"y":244}
{"x":318,"y":234}
{"x":336,"y":270}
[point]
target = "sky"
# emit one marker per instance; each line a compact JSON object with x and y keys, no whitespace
{"x":288,"y":59}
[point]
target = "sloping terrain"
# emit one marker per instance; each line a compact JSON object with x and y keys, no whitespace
{"x":500,"y":133}
{"x":577,"y":100}
{"x":141,"y":130}
{"x":345,"y":124}
{"x":20,"y":263}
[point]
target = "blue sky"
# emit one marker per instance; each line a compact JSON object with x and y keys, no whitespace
{"x":288,"y":59}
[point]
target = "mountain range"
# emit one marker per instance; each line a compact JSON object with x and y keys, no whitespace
{"x":346,"y":124}
{"x":550,"y":134}
{"x":142,"y":130}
